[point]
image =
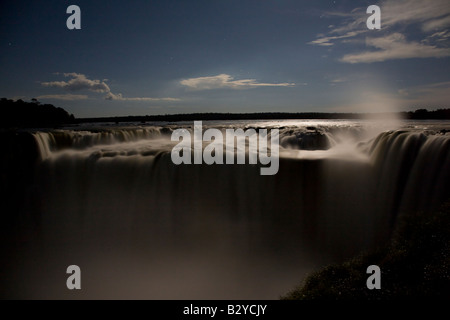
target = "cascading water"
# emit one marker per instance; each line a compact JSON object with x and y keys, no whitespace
{"x":112,"y":202}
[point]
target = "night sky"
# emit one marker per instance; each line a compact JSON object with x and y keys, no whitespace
{"x":165,"y":57}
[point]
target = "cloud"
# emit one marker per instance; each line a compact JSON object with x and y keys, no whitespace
{"x":325,"y":41}
{"x":432,"y":18}
{"x":429,"y":14}
{"x":338,"y":80}
{"x":395,"y":46}
{"x":64,"y":97}
{"x":81,"y":82}
{"x":119,"y":96}
{"x":222,"y":81}
{"x":438,"y":38}
{"x":436,"y":24}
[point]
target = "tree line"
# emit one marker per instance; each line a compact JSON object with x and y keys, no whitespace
{"x":420,"y":114}
{"x":22,"y":114}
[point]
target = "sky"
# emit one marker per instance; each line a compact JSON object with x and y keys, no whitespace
{"x":165,"y":57}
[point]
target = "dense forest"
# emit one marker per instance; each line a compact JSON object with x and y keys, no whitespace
{"x":21,"y":114}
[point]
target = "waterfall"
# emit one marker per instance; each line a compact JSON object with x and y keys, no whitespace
{"x":113,"y":202}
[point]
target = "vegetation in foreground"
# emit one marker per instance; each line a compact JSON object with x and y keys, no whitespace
{"x":414,"y":265}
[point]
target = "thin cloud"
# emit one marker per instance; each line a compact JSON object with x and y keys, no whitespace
{"x":432,"y":18}
{"x":223,"y":81}
{"x":120,"y":97}
{"x":395,"y":46}
{"x":438,"y":36}
{"x":430,"y":15}
{"x":69,"y":97}
{"x":436,"y":24}
{"x":80,"y":82}
{"x":338,"y":80}
{"x":326,"y":41}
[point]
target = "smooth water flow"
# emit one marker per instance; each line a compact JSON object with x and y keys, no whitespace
{"x":111,"y":201}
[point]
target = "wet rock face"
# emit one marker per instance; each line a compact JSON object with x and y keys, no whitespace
{"x":308,"y":140}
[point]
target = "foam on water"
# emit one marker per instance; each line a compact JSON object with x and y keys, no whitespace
{"x":112,"y":201}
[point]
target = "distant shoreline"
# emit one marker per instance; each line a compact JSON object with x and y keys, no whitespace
{"x":421,"y":114}
{"x":22,"y":114}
